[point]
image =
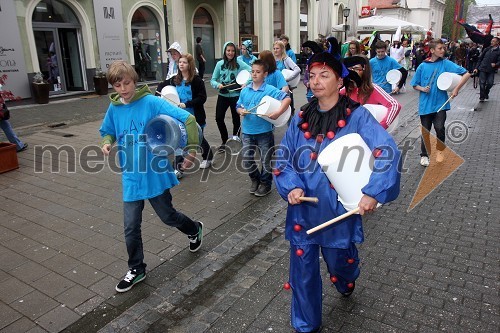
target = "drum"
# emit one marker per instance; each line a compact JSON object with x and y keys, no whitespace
{"x":288,"y":73}
{"x":243,"y":77}
{"x":271,"y":105}
{"x":165,"y":134}
{"x":393,"y":76}
{"x":234,"y":145}
{"x":169,"y":93}
{"x":448,"y":81}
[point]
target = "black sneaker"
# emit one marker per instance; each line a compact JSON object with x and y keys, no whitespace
{"x":254,"y":186}
{"x":263,"y":190}
{"x":23,"y":148}
{"x":195,"y":240}
{"x":222,"y":148}
{"x":130,"y":279}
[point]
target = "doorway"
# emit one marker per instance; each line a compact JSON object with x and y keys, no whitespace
{"x":203,"y":27}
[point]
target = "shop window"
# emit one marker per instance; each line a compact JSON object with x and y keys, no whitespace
{"x":54,"y":11}
{"x":245,"y":11}
{"x":278,"y":18}
{"x":147,"y":46}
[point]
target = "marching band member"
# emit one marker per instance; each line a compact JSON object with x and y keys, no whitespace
{"x":327,"y":117}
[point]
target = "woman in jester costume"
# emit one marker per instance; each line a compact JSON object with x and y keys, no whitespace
{"x":327,"y":117}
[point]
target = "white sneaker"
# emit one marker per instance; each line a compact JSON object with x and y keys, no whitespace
{"x":237,"y":138}
{"x":178,"y":174}
{"x":440,"y":156}
{"x":424,"y":161}
{"x":205,"y":164}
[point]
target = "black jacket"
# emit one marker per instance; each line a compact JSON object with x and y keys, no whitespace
{"x":487,"y":57}
{"x":199,"y":97}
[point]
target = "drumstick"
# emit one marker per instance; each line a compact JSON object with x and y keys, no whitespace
{"x":332,"y":221}
{"x":227,"y":85}
{"x":255,"y":107}
{"x":309,"y":199}
{"x":236,"y":89}
{"x":164,"y":96}
{"x":442,"y":106}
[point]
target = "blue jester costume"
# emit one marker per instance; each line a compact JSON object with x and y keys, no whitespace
{"x":310,"y":131}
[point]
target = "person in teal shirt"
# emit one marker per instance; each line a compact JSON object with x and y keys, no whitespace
{"x":381,"y":65}
{"x":246,"y":52}
{"x":144,"y":175}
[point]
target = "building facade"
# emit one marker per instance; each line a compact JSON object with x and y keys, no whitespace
{"x":67,"y":40}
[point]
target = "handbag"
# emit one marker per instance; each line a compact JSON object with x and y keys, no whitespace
{"x":4,"y":113}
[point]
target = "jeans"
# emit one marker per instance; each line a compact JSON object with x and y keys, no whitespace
{"x":220,"y":113}
{"x":264,"y":142}
{"x":9,"y":133}
{"x":436,"y":119}
{"x":132,"y":218}
{"x":485,"y":84}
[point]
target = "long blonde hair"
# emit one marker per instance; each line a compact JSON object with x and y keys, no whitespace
{"x":282,"y":47}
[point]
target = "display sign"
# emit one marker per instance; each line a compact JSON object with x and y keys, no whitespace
{"x":110,"y":32}
{"x":365,"y":11}
{"x":11,"y":51}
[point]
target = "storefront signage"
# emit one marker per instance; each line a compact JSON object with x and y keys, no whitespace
{"x":11,"y":51}
{"x":109,"y":28}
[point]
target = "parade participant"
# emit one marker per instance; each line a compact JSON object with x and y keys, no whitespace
{"x":284,"y":61}
{"x":487,"y":64}
{"x":129,"y":111}
{"x":273,"y":77}
{"x":315,"y":48}
{"x":193,"y":95}
{"x":477,"y":36}
{"x":398,"y":53}
{"x":224,"y":74}
{"x":367,"y":92}
{"x":431,"y":99}
{"x":257,"y":133}
{"x":174,"y":53}
{"x":288,"y":48}
{"x":246,"y":52}
{"x":327,"y":117}
{"x":382,"y":64}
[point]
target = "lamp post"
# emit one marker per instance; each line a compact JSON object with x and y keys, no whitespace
{"x":345,"y":12}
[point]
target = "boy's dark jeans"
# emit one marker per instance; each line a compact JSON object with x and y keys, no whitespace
{"x":132,"y":217}
{"x":264,"y":142}
{"x":436,"y":119}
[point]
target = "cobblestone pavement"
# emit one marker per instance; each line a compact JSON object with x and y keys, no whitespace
{"x":434,"y":268}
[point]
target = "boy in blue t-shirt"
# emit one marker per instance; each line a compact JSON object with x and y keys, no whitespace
{"x":257,"y":132}
{"x":433,"y":102}
{"x":144,"y":176}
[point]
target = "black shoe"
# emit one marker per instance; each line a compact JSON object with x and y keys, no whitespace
{"x":348,"y":293}
{"x":196,"y":240}
{"x":23,"y":148}
{"x":222,"y":148}
{"x":263,"y":190}
{"x":481,"y":100}
{"x":130,"y":279}
{"x":486,"y":97}
{"x":254,"y":186}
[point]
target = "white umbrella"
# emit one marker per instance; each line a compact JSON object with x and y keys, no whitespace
{"x":387,"y":24}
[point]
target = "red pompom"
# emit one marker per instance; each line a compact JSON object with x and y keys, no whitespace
{"x":304,"y":126}
{"x":350,"y":285}
{"x":377,"y":152}
{"x":299,"y":252}
{"x":333,"y":279}
{"x":313,"y":155}
{"x":307,"y":135}
{"x":348,"y":111}
{"x":287,"y":286}
{"x":341,"y":123}
{"x":330,"y":135}
{"x":350,"y":261}
{"x":319,"y":138}
{"x":301,"y":114}
{"x":331,"y":186}
{"x":276,"y":172}
{"x":297,"y":227}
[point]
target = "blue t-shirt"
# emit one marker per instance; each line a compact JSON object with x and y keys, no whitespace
{"x":276,"y":79}
{"x":427,"y":75}
{"x":291,"y":54}
{"x":185,"y":94}
{"x":253,"y":124}
{"x":380,"y":68}
{"x":144,"y":175}
{"x":248,"y":60}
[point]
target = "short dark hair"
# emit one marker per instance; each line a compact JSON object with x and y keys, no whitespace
{"x":435,"y":42}
{"x":380,"y":45}
{"x":262,"y":63}
{"x":198,"y":39}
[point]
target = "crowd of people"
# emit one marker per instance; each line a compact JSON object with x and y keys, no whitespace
{"x":342,"y":82}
